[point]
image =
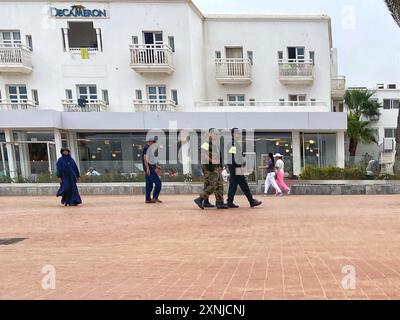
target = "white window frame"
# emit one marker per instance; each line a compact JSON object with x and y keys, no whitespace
{"x":19,"y":97}
{"x":237,"y":100}
{"x":157,"y":96}
{"x":87,"y":95}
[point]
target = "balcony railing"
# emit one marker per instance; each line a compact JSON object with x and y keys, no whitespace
{"x":90,"y":106}
{"x":79,"y":50}
{"x":15,"y":58}
{"x":338,"y":84}
{"x":17,"y":104}
{"x":296,"y":71}
{"x":152,"y":58}
{"x":154,"y":105}
{"x":262,"y":106}
{"x":233,"y":70}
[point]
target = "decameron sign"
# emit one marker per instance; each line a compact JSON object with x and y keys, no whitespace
{"x":78,"y":11}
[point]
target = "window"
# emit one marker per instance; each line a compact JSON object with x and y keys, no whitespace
{"x":220,"y":102}
{"x":174,"y":95}
{"x":104,"y":95}
{"x":28,"y":39}
{"x":390,"y":132}
{"x":391,"y":103}
{"x":87,"y":92}
{"x":135,"y":40}
{"x":391,"y":86}
{"x":282,"y":102}
{"x":312,"y":57}
{"x":10,"y":38}
{"x":280,"y":55}
{"x":17,"y":93}
{"x":82,"y":35}
{"x":35,"y":96}
{"x":217,"y":54}
{"x":68,"y":94}
{"x":171,"y":43}
{"x":250,"y":56}
{"x":380,"y":86}
{"x":138,"y":94}
{"x":313,"y":103}
{"x":156,"y":93}
{"x":236,"y":100}
{"x":296,"y":54}
{"x":0,"y":95}
{"x":252,"y":102}
{"x":318,"y":149}
{"x":297,"y":99}
{"x":153,"y":37}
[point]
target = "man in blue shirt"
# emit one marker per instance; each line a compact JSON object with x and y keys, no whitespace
{"x":150,"y":169}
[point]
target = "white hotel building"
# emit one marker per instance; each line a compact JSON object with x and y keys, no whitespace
{"x":98,"y":75}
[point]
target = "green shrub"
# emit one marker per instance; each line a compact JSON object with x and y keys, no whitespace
{"x":332,"y":173}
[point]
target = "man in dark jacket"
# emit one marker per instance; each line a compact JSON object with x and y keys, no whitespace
{"x":236,"y":177}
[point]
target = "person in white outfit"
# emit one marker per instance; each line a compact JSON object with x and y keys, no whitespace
{"x":270,"y":179}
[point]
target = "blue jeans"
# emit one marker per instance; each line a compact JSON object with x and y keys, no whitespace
{"x":153,"y":178}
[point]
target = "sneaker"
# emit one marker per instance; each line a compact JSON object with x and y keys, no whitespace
{"x":207,"y":204}
{"x":199,"y":202}
{"x":150,"y":201}
{"x":289,"y":191}
{"x":255,"y":203}
{"x":221,"y":205}
{"x":280,"y":194}
{"x":231,"y":205}
{"x":157,"y":200}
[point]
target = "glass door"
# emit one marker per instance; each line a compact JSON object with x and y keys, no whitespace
{"x":10,"y":38}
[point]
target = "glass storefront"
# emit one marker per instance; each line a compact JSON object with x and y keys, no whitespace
{"x":3,"y":157}
{"x":318,"y":149}
{"x":34,"y":153}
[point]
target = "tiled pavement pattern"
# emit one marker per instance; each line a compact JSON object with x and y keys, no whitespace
{"x":116,"y":247}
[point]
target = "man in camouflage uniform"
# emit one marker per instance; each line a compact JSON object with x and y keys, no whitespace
{"x":211,"y":166}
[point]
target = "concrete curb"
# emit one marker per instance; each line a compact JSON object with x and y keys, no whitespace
{"x":297,"y":187}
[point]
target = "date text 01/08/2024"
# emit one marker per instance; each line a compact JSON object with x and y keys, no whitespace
{"x":204,"y":309}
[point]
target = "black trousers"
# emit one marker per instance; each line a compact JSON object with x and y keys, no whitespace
{"x":234,"y":182}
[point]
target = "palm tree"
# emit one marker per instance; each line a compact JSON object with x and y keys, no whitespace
{"x":362,"y":111}
{"x":394,"y":8}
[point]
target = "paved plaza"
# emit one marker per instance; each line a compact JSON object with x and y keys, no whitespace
{"x":117,"y":247}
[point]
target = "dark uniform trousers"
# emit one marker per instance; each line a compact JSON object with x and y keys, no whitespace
{"x":234,"y":182}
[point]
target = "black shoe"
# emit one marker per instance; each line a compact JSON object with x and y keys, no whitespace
{"x":150,"y":201}
{"x":221,"y":205}
{"x":231,"y":205}
{"x":207,"y":204}
{"x":255,"y":203}
{"x":199,"y":202}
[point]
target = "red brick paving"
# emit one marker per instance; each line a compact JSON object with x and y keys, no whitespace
{"x":116,"y":247}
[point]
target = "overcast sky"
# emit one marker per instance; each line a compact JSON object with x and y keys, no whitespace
{"x":367,"y":38}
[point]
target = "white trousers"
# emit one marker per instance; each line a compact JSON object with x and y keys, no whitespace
{"x":270,"y":181}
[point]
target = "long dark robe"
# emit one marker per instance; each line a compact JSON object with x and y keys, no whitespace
{"x":68,"y":171}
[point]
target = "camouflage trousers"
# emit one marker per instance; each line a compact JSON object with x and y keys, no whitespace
{"x":213,"y":183}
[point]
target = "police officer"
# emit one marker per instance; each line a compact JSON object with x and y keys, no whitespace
{"x":236,"y":177}
{"x":211,"y":166}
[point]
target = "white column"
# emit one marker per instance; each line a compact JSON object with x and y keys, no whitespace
{"x":98,"y":35}
{"x":58,"y":142}
{"x":186,"y":161}
{"x":73,"y":145}
{"x":340,"y":155}
{"x":296,"y":142}
{"x":66,"y":41}
{"x":24,"y":159}
{"x":12,"y":167}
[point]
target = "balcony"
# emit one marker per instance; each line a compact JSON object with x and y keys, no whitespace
{"x":17,"y":105}
{"x":261,"y":106}
{"x":149,"y":58}
{"x":297,"y":72}
{"x":154,"y":105}
{"x":15,"y":59}
{"x":338,"y":84}
{"x":90,"y":106}
{"x":233,"y":71}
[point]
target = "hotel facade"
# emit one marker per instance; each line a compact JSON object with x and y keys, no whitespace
{"x":97,"y":76}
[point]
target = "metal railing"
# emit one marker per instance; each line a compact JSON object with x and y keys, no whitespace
{"x":7,"y":104}
{"x":233,"y":68}
{"x":90,"y":106}
{"x":151,"y":54}
{"x":338,"y":83}
{"x":15,"y":54}
{"x":245,"y":104}
{"x":296,"y":68}
{"x":79,"y":50}
{"x":154,"y":105}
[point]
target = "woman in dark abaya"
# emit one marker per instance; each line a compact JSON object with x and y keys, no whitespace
{"x":68,"y":173}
